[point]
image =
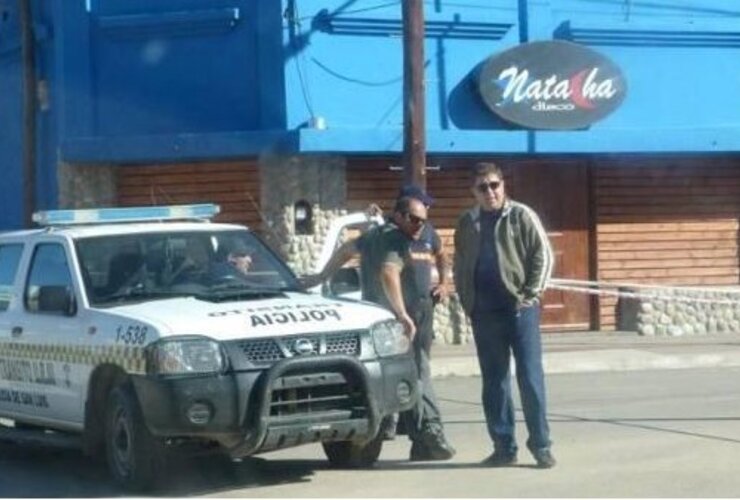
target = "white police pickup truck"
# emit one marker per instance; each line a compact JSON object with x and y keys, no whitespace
{"x":128,"y":332}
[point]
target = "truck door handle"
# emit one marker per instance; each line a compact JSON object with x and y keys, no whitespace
{"x":16,"y":332}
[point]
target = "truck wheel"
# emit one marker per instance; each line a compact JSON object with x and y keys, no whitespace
{"x":133,"y":453}
{"x":352,"y":455}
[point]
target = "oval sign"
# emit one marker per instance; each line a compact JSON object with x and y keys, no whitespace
{"x":551,"y":85}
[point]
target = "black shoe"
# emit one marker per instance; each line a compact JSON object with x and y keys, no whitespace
{"x":432,"y":444}
{"x":499,"y":459}
{"x":421,"y":453}
{"x":544,"y":459}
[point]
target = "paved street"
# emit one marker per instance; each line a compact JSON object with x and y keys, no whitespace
{"x":671,"y":433}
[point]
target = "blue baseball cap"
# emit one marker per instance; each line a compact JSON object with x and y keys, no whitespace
{"x":414,"y":191}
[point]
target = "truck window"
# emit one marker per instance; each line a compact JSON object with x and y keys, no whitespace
{"x":10,"y":256}
{"x":49,"y":268}
{"x":135,"y":267}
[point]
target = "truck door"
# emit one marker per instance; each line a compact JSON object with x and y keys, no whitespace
{"x":10,"y":257}
{"x":48,"y":338}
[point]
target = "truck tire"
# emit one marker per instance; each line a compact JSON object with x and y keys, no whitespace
{"x":134,"y":455}
{"x":353,"y":455}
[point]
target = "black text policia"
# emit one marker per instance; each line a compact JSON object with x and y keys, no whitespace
{"x":293,"y":317}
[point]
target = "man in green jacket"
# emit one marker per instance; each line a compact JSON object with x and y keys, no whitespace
{"x":503,"y":261}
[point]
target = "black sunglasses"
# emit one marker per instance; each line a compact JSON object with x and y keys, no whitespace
{"x":415,"y":219}
{"x":485,"y":186}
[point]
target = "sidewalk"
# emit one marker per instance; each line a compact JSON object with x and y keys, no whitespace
{"x":605,"y":351}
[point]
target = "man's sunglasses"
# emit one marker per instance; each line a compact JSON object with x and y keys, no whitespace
{"x":483,"y":187}
{"x":415,"y":219}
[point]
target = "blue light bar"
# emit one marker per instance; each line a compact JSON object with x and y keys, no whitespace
{"x":127,"y":214}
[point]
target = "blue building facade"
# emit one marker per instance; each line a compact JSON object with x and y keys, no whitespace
{"x":136,"y":82}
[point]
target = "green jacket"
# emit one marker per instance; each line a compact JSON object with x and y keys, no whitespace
{"x":524,"y":254}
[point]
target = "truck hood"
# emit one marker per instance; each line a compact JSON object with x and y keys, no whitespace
{"x":288,"y":313}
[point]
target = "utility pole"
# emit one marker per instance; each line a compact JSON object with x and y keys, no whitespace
{"x":28,"y":50}
{"x":414,"y":137}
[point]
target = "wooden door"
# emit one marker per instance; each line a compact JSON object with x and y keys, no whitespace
{"x":558,"y":191}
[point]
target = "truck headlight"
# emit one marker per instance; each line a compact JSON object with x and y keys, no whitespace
{"x":389,"y":338}
{"x":186,"y":356}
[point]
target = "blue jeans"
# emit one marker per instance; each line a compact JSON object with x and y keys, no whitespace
{"x":498,"y":334}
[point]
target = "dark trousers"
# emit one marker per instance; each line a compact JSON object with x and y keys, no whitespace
{"x":497,"y":335}
{"x":426,"y":408}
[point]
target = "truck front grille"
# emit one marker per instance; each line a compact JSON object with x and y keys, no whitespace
{"x":316,"y":393}
{"x":268,"y":351}
{"x":261,"y":351}
{"x":343,"y":343}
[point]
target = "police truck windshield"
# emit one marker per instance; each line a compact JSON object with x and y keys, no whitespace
{"x":218,"y":265}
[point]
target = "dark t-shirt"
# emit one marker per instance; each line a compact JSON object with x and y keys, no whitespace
{"x":387,"y":244}
{"x":422,"y":258}
{"x":490,"y":291}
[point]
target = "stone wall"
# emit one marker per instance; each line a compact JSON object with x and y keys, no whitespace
{"x":451,"y":325}
{"x":676,"y":311}
{"x":88,"y":186}
{"x":285,"y":180}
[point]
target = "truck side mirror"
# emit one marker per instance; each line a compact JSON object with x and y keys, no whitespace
{"x":57,"y":299}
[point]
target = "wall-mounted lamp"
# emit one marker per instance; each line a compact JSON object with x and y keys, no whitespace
{"x":302,"y":217}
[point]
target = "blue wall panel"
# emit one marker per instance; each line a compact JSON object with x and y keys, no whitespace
{"x":47,"y":121}
{"x":11,"y":114}
{"x":345,"y":61}
{"x":680,"y":61}
{"x":11,"y":186}
{"x":172,"y":66}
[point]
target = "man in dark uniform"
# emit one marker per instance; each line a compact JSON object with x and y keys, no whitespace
{"x":396,"y":273}
{"x":423,"y":255}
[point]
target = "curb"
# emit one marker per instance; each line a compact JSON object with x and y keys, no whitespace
{"x":586,"y":361}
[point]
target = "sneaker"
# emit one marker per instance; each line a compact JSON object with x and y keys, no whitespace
{"x":544,"y":459}
{"x":419,"y":452}
{"x":433,"y":444}
{"x":499,"y":459}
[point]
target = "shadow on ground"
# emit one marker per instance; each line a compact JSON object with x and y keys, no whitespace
{"x":33,"y":472}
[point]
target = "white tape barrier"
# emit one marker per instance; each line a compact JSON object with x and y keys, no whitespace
{"x":565,"y":281}
{"x":602,"y":289}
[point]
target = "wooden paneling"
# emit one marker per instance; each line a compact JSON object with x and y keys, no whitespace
{"x":672,"y":221}
{"x":234,"y":186}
